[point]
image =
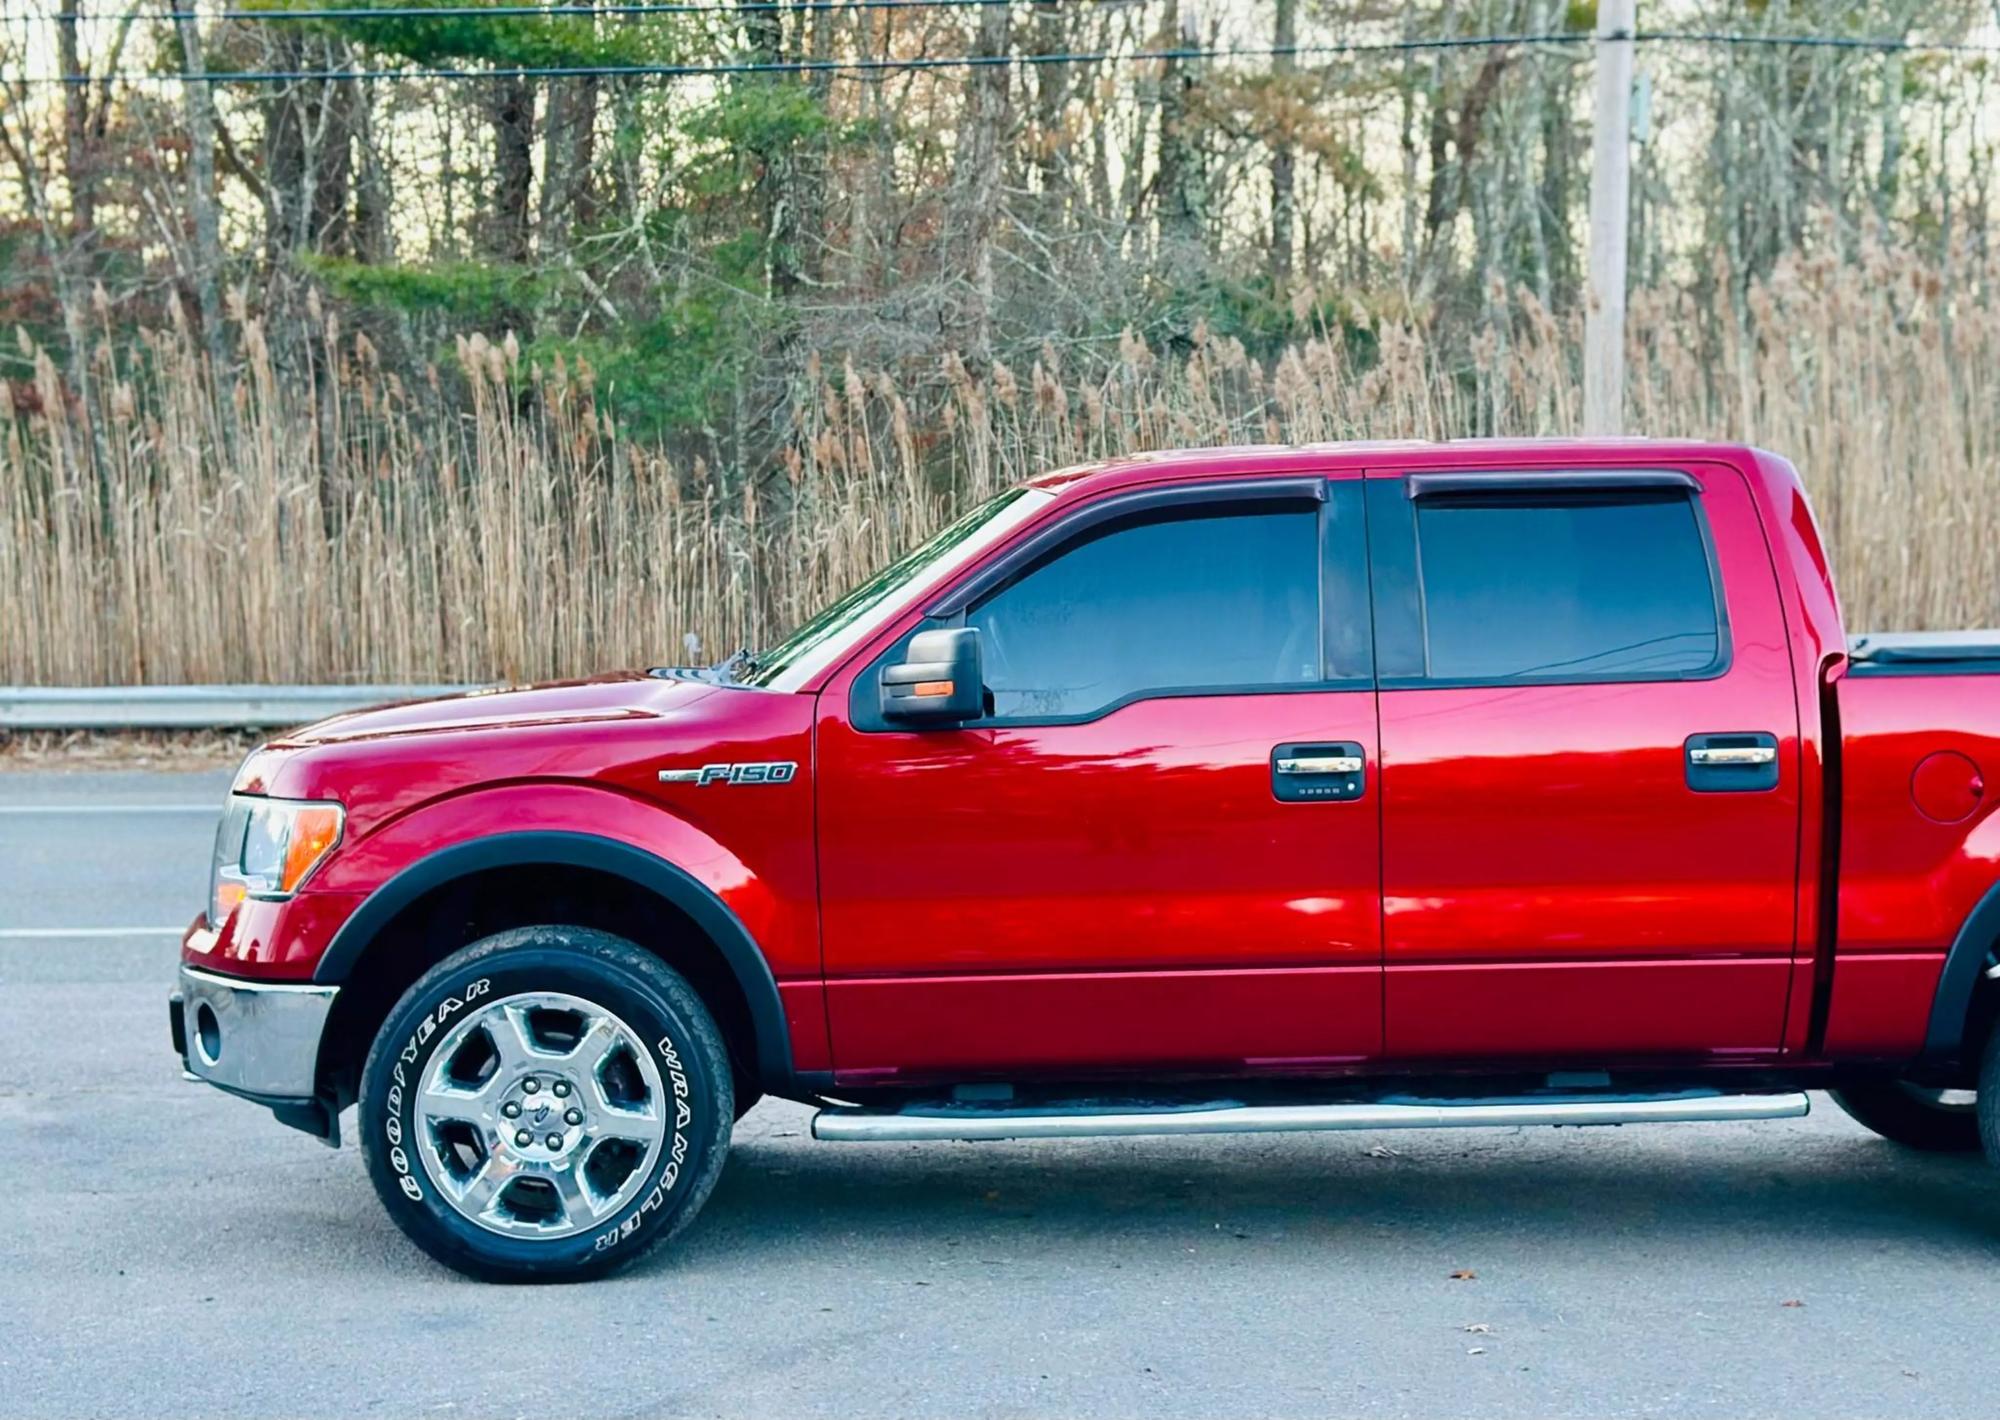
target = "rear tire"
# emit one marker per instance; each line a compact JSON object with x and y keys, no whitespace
{"x":1911,"y":1116}
{"x":1989,"y":1097}
{"x":546,"y":1105}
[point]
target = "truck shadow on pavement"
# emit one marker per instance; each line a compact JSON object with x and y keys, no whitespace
{"x":1582,"y":1191}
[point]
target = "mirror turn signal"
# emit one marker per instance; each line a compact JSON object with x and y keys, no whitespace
{"x":938,"y":681}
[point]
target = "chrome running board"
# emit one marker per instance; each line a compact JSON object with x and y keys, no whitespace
{"x":1087,"y":1119}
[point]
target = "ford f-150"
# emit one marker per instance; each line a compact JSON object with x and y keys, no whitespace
{"x":1359,"y":786}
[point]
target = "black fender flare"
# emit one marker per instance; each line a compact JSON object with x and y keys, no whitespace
{"x":1970,"y":952}
{"x":648,"y":871}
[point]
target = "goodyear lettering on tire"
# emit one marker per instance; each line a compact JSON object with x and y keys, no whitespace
{"x":392,"y":1124}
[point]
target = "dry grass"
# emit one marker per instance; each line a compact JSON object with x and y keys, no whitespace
{"x":176,"y":751}
{"x":491,"y":523}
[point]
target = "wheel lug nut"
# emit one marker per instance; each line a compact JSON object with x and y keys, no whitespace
{"x":561,"y":1087}
{"x":530,"y":1085}
{"x":524,"y":1138}
{"x":555,"y":1141}
{"x":511,"y":1110}
{"x":574,"y":1116}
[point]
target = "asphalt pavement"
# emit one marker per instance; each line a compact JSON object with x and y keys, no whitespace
{"x":167,"y":1250}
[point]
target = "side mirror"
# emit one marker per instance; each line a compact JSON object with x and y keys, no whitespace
{"x":938,"y":681}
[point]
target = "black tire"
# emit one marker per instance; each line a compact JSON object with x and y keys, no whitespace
{"x":1904,"y":1116}
{"x":1989,"y":1097}
{"x":659,"y":1007}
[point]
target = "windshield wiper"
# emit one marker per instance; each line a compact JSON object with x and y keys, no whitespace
{"x":741,"y":662}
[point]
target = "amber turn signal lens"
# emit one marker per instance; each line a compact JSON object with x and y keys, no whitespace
{"x":932,"y":687}
{"x":315,"y":829}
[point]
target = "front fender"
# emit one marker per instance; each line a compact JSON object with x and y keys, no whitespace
{"x":768,"y":884}
{"x":760,"y":925}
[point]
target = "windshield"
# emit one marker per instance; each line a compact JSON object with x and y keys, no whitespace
{"x":810,"y":648}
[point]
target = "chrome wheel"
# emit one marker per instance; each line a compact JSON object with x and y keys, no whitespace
{"x":540,"y":1115}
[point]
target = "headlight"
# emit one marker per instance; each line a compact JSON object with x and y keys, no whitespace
{"x":264,"y":848}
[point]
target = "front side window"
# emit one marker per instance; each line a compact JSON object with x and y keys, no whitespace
{"x":1189,"y":602}
{"x":1566,"y":587}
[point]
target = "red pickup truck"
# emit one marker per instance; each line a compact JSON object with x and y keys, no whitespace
{"x":1361,"y":786}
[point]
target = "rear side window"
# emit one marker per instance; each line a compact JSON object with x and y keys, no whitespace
{"x":1216,"y":601}
{"x":1566,"y":587}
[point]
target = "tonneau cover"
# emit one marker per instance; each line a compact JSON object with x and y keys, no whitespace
{"x":1925,"y":652}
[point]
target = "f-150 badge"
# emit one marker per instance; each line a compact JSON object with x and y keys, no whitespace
{"x":776,"y":772}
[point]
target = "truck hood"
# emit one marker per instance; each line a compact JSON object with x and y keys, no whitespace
{"x":614,"y":731}
{"x":625,"y":695}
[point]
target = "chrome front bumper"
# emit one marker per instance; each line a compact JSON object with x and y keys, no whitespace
{"x":255,"y":1038}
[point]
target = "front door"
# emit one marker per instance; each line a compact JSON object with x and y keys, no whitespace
{"x":1590,"y":766}
{"x":1158,"y":851}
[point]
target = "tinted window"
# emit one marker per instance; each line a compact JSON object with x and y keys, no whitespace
{"x":1565,"y":588}
{"x":1184,"y":603}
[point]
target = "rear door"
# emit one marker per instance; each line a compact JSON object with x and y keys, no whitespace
{"x":1158,"y":850}
{"x":1590,"y":789}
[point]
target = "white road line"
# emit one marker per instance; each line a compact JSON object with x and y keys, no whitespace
{"x":15,"y":934}
{"x":110,"y":808}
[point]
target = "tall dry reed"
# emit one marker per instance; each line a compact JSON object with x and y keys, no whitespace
{"x":491,"y":523}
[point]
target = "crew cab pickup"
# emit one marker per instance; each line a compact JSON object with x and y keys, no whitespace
{"x":1356,"y":786}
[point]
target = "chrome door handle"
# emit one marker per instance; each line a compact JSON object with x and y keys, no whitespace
{"x":1735,"y":754}
{"x":1733,"y":762}
{"x":1319,"y":764}
{"x":1330,"y":771}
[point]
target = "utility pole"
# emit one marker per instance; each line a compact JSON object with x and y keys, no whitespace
{"x":1610,"y":210}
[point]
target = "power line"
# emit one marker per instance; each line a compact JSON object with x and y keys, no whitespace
{"x":1884,"y":44}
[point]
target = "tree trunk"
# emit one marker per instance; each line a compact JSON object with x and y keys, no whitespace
{"x":811,"y":183}
{"x":207,"y":264}
{"x":1182,"y":199}
{"x":1454,"y":144}
{"x":310,"y":133}
{"x":773,"y":188}
{"x":1052,"y":156}
{"x":331,"y":225}
{"x":569,"y":144}
{"x":373,"y":239}
{"x":79,"y":162}
{"x":1559,"y":150}
{"x":1892,"y":138}
{"x":976,"y":183}
{"x":284,"y":155}
{"x":513,"y":117}
{"x":1284,"y":160}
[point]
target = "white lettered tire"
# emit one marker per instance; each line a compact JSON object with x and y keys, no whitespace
{"x":547,"y":1104}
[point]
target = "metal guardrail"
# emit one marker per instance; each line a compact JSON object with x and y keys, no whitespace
{"x":193,"y":707}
